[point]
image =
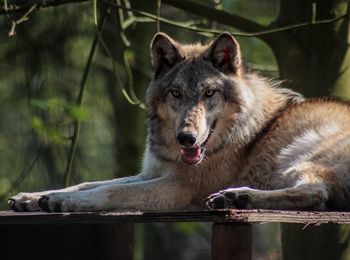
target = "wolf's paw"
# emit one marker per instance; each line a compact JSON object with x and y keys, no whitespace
{"x":238,"y":198}
{"x":24,"y":202}
{"x":57,"y":202}
{"x":66,"y":202}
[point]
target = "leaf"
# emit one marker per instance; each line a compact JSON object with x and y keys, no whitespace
{"x":186,"y":228}
{"x":37,"y":123}
{"x":45,"y":104}
{"x":78,"y":113}
{"x":47,"y":133}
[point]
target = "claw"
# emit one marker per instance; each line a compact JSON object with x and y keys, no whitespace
{"x":11,"y":203}
{"x":216,"y":202}
{"x":211,"y":205}
{"x":24,"y":206}
{"x":43,"y":203}
{"x":58,"y":207}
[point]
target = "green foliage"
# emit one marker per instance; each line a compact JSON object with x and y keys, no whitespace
{"x":46,"y":133}
{"x":59,"y":114}
{"x":78,"y":113}
{"x":186,"y":228}
{"x":59,"y":108}
{"x":264,"y":12}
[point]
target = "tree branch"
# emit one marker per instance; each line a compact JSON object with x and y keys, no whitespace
{"x":23,"y":174}
{"x":220,"y":16}
{"x":77,"y":123}
{"x":249,"y":28}
{"x":11,"y":6}
{"x":223,"y":17}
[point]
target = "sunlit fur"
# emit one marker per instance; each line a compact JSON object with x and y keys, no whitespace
{"x":264,"y":146}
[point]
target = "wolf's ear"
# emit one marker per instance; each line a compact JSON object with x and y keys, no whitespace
{"x":224,"y":52}
{"x":164,"y":53}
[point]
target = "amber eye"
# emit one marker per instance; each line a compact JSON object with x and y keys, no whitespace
{"x":209,"y":93}
{"x":175,"y":93}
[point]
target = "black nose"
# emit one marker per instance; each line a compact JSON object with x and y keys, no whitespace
{"x":186,"y":139}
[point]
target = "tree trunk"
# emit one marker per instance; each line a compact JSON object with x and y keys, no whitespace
{"x":126,"y":129}
{"x":314,"y":59}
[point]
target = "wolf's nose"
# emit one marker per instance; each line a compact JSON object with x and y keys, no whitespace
{"x":186,"y":139}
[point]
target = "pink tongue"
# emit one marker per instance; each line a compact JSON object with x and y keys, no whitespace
{"x":191,"y":155}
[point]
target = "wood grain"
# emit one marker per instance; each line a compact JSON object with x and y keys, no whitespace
{"x":243,"y":216}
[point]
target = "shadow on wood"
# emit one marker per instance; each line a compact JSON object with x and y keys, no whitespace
{"x":315,"y":242}
{"x":109,"y":235}
{"x":112,"y":241}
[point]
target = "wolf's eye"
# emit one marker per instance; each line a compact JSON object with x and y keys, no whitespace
{"x":209,"y":93}
{"x":175,"y":93}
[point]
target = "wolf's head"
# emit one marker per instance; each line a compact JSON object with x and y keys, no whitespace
{"x":196,"y":95}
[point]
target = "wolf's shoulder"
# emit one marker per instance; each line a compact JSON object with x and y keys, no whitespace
{"x":319,"y":106}
{"x":314,"y":113}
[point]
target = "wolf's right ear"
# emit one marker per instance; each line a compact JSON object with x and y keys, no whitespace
{"x":165,"y":53}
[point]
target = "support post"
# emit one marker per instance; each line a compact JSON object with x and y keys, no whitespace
{"x":114,"y":241}
{"x":231,"y":241}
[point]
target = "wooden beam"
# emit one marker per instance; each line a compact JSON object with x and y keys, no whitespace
{"x":243,"y":216}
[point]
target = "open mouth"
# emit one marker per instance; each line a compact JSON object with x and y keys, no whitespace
{"x":195,"y":155}
{"x":192,"y":155}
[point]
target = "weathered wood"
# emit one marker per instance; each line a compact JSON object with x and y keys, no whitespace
{"x":231,"y":241}
{"x":299,"y":217}
{"x":244,"y":216}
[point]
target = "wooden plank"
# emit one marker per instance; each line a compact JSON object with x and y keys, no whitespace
{"x":231,"y":241}
{"x":88,"y":242}
{"x":298,"y":217}
{"x":41,"y":218}
{"x":245,"y":216}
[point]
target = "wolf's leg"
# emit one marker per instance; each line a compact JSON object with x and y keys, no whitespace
{"x":305,"y":196}
{"x":155,"y":194}
{"x":26,"y":201}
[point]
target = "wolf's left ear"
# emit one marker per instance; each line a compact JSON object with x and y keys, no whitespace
{"x":165,"y":53}
{"x":224,"y":52}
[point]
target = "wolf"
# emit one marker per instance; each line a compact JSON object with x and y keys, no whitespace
{"x":221,"y":136}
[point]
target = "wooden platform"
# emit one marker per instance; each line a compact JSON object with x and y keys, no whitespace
{"x":239,"y":216}
{"x":109,"y":235}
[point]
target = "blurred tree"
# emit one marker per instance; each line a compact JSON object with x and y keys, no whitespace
{"x":128,"y":130}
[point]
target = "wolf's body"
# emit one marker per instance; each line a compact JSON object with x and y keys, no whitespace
{"x":217,"y":131}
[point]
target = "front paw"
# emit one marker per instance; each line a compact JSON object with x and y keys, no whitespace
{"x":238,"y":198}
{"x":50,"y":201}
{"x":45,"y":204}
{"x":57,"y":202}
{"x":24,"y":202}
